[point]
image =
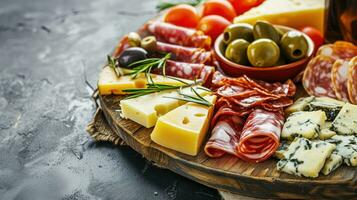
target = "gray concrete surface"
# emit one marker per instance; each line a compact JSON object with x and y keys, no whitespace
{"x":45,"y":153}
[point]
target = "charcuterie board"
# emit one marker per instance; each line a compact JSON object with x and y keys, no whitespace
{"x":228,"y":173}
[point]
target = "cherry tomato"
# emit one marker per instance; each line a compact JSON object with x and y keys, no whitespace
{"x":182,"y":15}
{"x":213,"y":25}
{"x":315,"y":35}
{"x":242,"y":6}
{"x":218,"y":7}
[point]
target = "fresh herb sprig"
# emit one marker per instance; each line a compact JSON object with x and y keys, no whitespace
{"x":112,"y":64}
{"x":165,"y":5}
{"x":145,"y":66}
{"x":196,"y":98}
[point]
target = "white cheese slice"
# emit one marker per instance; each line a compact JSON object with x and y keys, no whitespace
{"x":299,"y":105}
{"x":303,"y":124}
{"x":332,"y":163}
{"x":346,"y":120}
{"x":305,"y":158}
{"x":325,"y":132}
{"x":346,"y":146}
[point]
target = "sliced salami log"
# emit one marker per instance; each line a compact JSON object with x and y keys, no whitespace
{"x":260,"y":135}
{"x":225,"y":136}
{"x":339,"y":76}
{"x":352,"y":80}
{"x":317,"y":77}
{"x":338,"y":50}
{"x":166,"y":32}
{"x":185,"y":54}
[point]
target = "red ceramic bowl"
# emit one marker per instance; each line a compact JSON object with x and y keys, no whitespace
{"x":270,"y":74}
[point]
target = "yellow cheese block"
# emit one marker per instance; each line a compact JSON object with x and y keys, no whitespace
{"x":292,"y":13}
{"x":109,"y":83}
{"x":184,"y":128}
{"x":145,"y":110}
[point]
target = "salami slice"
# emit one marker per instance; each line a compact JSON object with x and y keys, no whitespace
{"x":166,"y":32}
{"x":185,"y":54}
{"x":338,"y":50}
{"x":122,"y":45}
{"x":225,"y":136}
{"x":260,"y":135}
{"x":352,"y":81}
{"x":339,"y":76}
{"x":317,"y":77}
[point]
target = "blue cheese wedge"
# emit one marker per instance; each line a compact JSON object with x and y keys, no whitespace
{"x":305,"y":124}
{"x":346,"y":146}
{"x":330,"y":106}
{"x":305,"y":158}
{"x":332,"y":163}
{"x":326,"y":131}
{"x":299,"y":105}
{"x":346,"y":121}
{"x":283,"y":147}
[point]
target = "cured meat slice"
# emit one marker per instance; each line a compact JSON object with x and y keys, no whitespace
{"x":122,"y":45}
{"x":352,"y":81}
{"x":166,"y":32}
{"x":317,"y":77}
{"x":338,"y":50}
{"x":339,"y":76}
{"x":185,"y":54}
{"x":227,"y":111}
{"x":225,"y":136}
{"x":260,"y":135}
{"x":189,"y":71}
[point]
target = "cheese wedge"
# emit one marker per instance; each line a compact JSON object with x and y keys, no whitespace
{"x":184,"y":128}
{"x":292,"y":13}
{"x":145,"y":110}
{"x":109,"y":83}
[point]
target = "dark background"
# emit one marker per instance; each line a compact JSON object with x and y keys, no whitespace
{"x":46,"y":48}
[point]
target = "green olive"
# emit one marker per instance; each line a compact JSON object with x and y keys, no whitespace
{"x":263,"y":53}
{"x":294,"y":45}
{"x":238,"y":31}
{"x":134,"y":39}
{"x":149,"y":43}
{"x":264,"y":29}
{"x":237,"y":51}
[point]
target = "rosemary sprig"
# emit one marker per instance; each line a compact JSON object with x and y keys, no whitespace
{"x":196,"y":98}
{"x":145,"y":66}
{"x":151,"y":88}
{"x":111,"y":64}
{"x":165,"y":5}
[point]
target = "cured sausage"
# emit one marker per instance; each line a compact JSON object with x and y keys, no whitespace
{"x":339,"y":76}
{"x":317,"y":77}
{"x":166,"y":32}
{"x":338,"y":50}
{"x":185,"y":54}
{"x":260,"y":135}
{"x":352,"y":80}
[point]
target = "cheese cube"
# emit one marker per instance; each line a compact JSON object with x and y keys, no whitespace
{"x":332,"y":163}
{"x":346,"y":120}
{"x":303,"y":124}
{"x":305,"y":158}
{"x":325,"y":132}
{"x":299,"y":105}
{"x":146,"y":109}
{"x":184,"y":128}
{"x":110,"y":83}
{"x":293,"y":13}
{"x":346,"y":146}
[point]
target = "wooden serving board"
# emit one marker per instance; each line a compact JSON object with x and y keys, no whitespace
{"x":229,"y":173}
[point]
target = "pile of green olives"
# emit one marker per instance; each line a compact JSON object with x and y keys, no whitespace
{"x":263,"y":45}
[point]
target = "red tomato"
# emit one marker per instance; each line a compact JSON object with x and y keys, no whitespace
{"x":315,"y":35}
{"x":218,"y":7}
{"x":182,"y":15}
{"x":213,"y":25}
{"x":241,"y":6}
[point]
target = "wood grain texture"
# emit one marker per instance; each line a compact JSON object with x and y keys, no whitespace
{"x":229,"y":173}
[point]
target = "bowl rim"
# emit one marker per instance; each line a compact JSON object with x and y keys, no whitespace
{"x":231,"y":64}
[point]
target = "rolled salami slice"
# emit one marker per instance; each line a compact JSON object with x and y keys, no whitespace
{"x":166,"y":32}
{"x":317,"y":77}
{"x":352,"y":80}
{"x":339,"y":76}
{"x":185,"y":54}
{"x":338,"y":50}
{"x":260,"y":135}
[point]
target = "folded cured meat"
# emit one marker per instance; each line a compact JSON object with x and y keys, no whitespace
{"x":185,"y":54}
{"x":260,"y":135}
{"x":166,"y":32}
